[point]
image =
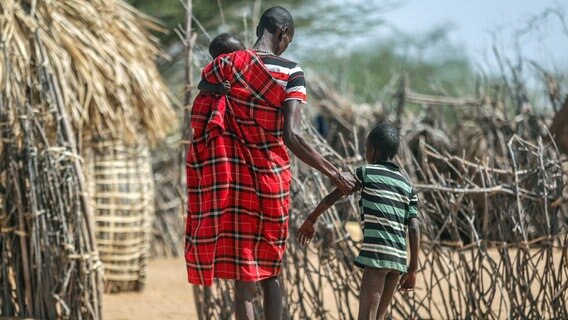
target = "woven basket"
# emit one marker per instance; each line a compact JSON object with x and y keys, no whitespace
{"x":121,"y":190}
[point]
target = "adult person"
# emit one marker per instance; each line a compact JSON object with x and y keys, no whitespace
{"x":238,"y":170}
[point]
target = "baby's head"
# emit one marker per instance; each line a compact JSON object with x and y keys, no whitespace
{"x":224,"y":43}
{"x":382,"y":143}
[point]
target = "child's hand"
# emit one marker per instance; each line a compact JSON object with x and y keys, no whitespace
{"x":306,"y":233}
{"x":407,"y":281}
{"x":225,"y":86}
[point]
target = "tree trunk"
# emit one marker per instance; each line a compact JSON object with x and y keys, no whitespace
{"x":188,"y":41}
{"x":187,"y":134}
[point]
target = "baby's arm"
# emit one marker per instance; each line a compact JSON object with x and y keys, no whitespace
{"x":408,"y":280}
{"x":306,"y":232}
{"x":222,"y":88}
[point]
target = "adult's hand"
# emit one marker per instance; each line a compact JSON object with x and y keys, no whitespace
{"x":345,"y":182}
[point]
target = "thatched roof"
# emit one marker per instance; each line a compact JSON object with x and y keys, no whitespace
{"x":102,"y":56}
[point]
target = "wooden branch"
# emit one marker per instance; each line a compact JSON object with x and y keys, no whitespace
{"x":418,"y":98}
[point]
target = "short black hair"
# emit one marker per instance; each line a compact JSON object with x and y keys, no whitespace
{"x":225,"y":43}
{"x":274,"y":18}
{"x":386,"y":138}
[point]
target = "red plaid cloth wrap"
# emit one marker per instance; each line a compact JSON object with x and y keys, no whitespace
{"x":238,"y":176}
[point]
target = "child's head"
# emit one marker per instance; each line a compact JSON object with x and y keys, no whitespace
{"x":224,"y":43}
{"x":382,"y":143}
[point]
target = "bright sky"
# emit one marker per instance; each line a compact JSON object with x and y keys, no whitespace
{"x":473,"y":21}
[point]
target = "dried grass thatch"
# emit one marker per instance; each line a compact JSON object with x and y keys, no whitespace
{"x":103,"y":58}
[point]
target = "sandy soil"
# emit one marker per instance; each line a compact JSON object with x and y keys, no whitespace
{"x":167,"y":296}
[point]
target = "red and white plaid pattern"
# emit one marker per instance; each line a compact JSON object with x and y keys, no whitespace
{"x":238,"y":176}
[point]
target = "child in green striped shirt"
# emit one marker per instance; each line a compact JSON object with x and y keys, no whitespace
{"x":388,"y":209}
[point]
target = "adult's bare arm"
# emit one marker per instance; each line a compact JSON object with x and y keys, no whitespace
{"x":305,"y":152}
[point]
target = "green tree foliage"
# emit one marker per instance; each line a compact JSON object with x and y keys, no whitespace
{"x":207,"y":12}
{"x":345,"y":41}
{"x":430,"y":61}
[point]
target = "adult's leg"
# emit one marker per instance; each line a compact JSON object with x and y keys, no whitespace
{"x":372,"y":286}
{"x":272,"y":298}
{"x":244,"y":292}
{"x":391,"y":283}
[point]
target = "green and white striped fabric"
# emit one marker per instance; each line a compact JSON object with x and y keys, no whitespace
{"x":387,"y":203}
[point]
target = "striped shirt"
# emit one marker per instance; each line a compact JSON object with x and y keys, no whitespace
{"x":288,"y":74}
{"x":387,"y":203}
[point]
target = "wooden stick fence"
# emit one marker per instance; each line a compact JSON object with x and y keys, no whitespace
{"x":515,"y":265}
{"x":494,"y":220}
{"x":495,"y":243}
{"x":168,"y":227}
{"x":496,"y":246}
{"x":50,"y":266}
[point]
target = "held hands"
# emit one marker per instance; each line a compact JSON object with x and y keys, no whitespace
{"x":407,"y":281}
{"x":345,"y":182}
{"x":306,"y":233}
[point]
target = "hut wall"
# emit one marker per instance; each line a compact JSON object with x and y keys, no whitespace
{"x":121,"y":190}
{"x":49,"y":267}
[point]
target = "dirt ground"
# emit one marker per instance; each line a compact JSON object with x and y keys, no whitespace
{"x":167,"y":296}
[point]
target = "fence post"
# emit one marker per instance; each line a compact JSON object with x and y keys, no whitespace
{"x":401,"y":96}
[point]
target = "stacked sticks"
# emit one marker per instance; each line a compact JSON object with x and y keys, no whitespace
{"x":494,"y":224}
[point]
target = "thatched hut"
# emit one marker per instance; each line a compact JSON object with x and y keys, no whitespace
{"x":72,"y":74}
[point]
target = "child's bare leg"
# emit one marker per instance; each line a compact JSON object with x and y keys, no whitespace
{"x":244,"y":292}
{"x":391,"y":283}
{"x":272,"y":298}
{"x":372,"y":286}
